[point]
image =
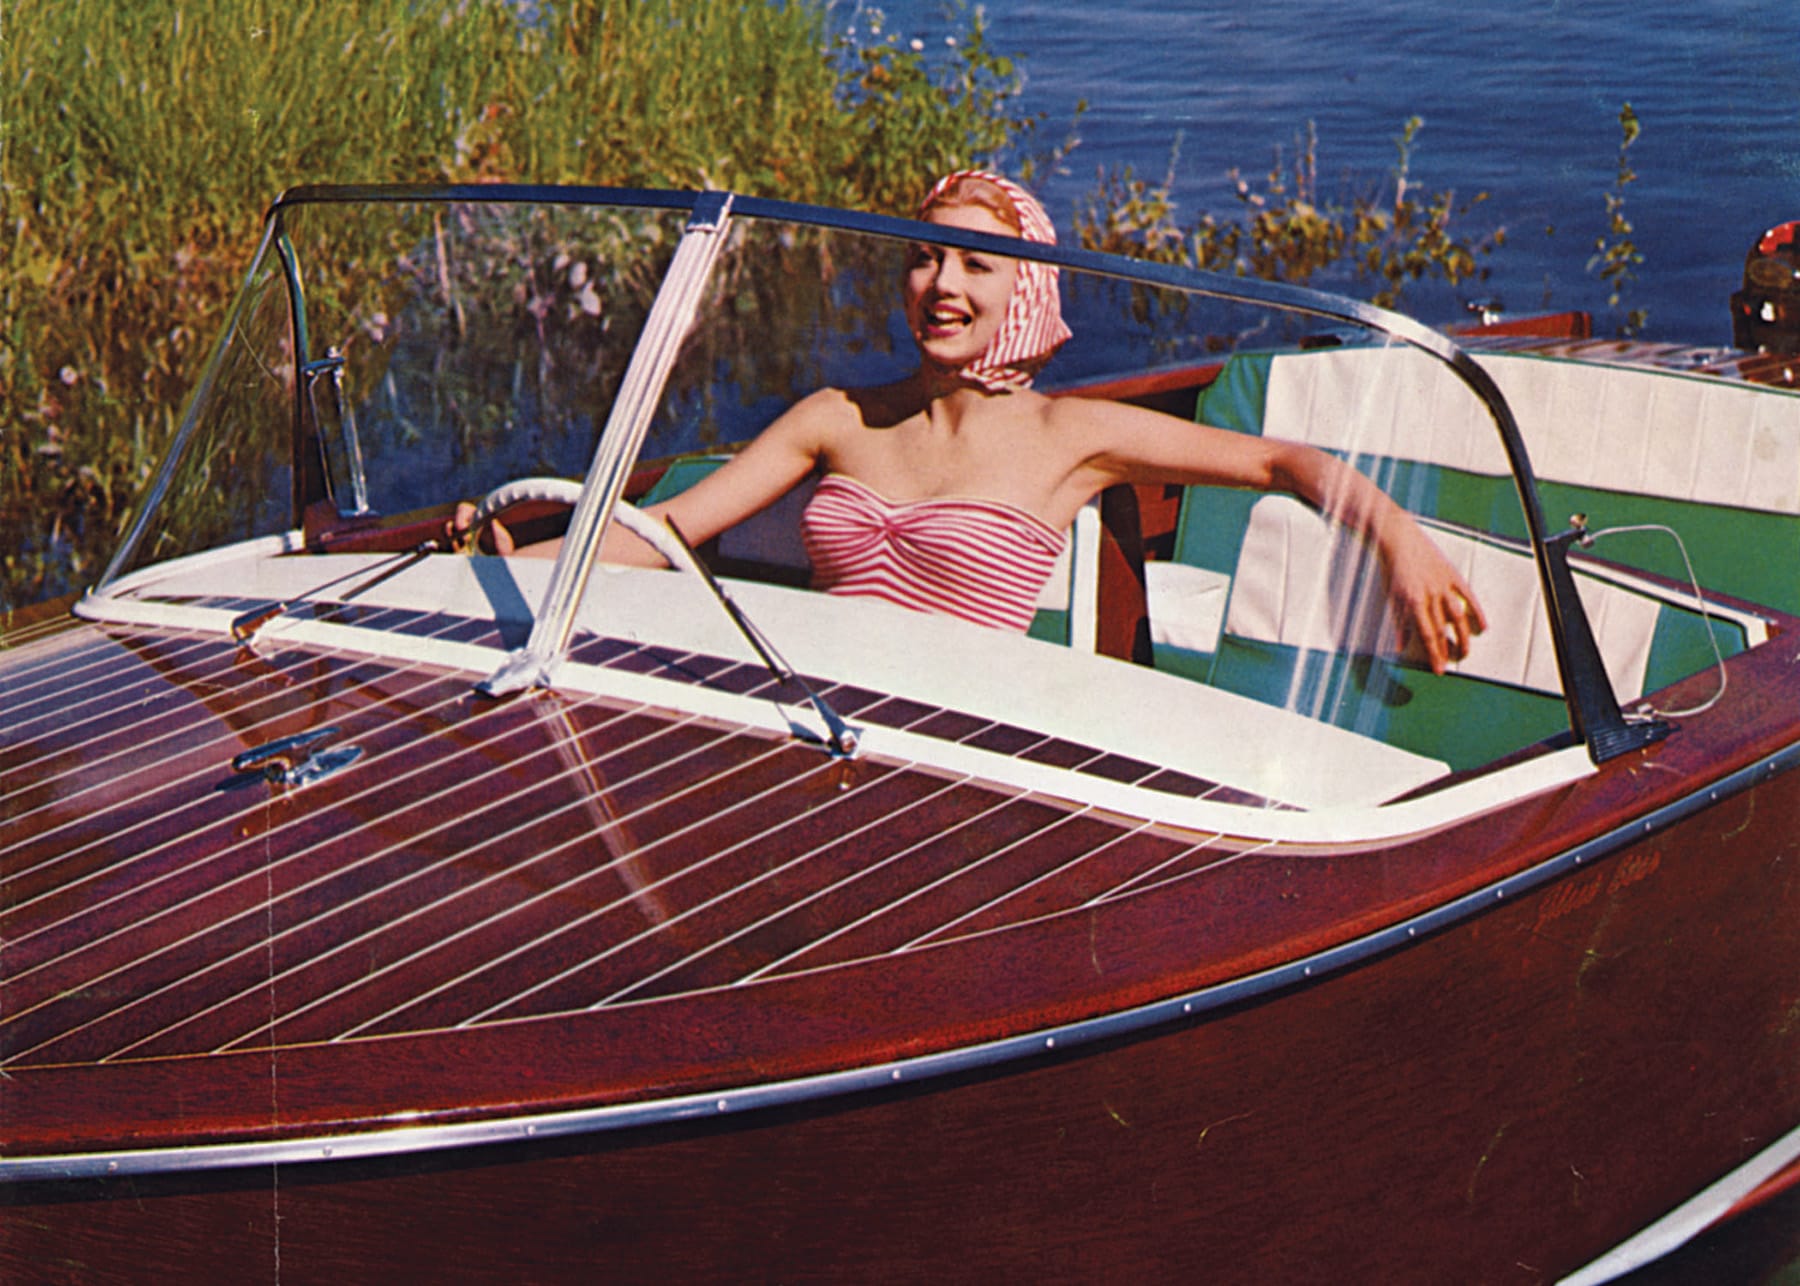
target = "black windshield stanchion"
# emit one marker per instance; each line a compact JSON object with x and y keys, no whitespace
{"x":1594,"y":714}
{"x":840,"y":738}
{"x":1593,"y":708}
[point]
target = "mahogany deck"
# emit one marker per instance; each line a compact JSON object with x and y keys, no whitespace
{"x":1503,"y":1097}
{"x":484,"y":861}
{"x":491,"y":861}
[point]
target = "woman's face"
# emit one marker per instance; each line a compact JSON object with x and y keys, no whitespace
{"x":956,"y":299}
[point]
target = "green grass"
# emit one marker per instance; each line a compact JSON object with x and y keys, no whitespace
{"x":140,"y":144}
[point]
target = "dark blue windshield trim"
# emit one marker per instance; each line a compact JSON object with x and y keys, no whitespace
{"x":1279,"y":294}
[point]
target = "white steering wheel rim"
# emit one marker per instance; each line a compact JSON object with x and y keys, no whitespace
{"x":563,"y":491}
{"x":559,"y":491}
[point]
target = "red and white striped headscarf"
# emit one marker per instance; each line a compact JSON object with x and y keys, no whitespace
{"x":1033,"y":328}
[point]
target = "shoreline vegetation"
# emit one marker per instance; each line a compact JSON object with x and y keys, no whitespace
{"x":1371,"y":242}
{"x":140,"y":144}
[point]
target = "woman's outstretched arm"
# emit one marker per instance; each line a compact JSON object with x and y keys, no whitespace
{"x":1431,"y":602}
{"x":765,"y":470}
{"x":1130,"y":444}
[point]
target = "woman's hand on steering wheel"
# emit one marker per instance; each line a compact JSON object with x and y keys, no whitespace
{"x":465,"y":534}
{"x":465,"y":527}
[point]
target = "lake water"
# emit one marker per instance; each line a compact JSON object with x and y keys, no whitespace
{"x":1519,"y":99}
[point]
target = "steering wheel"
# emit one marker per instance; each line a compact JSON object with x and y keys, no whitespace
{"x":562,"y":491}
{"x":556,"y":491}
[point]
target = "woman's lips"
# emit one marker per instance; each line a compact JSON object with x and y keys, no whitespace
{"x":945,"y":321}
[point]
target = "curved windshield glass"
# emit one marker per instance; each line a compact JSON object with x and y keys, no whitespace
{"x":1184,"y":545}
{"x":389,"y":358}
{"x":229,"y":476}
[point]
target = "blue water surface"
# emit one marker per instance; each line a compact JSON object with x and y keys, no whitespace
{"x":1520,"y":100}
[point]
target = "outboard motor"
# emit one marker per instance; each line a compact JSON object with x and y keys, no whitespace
{"x":1765,"y":314}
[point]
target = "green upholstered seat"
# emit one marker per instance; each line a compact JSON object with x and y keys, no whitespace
{"x":1470,"y":717}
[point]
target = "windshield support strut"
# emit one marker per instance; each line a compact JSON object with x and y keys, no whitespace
{"x":670,"y":317}
{"x":330,"y":369}
{"x":840,"y":738}
{"x":1594,"y":711}
{"x":1594,"y":714}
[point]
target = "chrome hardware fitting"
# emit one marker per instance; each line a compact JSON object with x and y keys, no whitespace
{"x":293,"y":761}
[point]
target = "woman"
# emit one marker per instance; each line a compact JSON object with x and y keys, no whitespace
{"x":949,"y":490}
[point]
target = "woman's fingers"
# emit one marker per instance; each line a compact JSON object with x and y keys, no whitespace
{"x":1453,"y":619}
{"x":457,"y":529}
{"x":1436,"y":607}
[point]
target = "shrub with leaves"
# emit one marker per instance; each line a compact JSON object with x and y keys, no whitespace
{"x":1616,"y":255}
{"x":1286,"y":229}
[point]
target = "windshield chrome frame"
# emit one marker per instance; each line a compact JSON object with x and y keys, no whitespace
{"x":151,"y":500}
{"x":309,"y":428}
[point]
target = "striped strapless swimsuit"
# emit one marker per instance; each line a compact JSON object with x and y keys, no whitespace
{"x":979,"y":560}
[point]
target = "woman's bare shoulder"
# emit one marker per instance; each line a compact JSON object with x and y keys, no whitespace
{"x":844,"y":408}
{"x":1075,"y":413}
{"x":1092,"y":426}
{"x":826,"y":401}
{"x":812,"y":422}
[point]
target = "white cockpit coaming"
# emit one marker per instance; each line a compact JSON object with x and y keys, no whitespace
{"x":1320,"y":783}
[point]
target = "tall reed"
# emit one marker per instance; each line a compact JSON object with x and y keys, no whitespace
{"x":139,"y":144}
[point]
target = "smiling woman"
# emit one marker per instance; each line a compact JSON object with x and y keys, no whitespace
{"x":1029,"y":326}
{"x":956,"y":300}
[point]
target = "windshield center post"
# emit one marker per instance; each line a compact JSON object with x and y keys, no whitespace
{"x":668,"y":322}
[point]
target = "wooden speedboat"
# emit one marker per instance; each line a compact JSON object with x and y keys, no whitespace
{"x":368,"y":906}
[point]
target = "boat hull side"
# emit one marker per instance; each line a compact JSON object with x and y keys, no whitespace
{"x":1508,"y":1097}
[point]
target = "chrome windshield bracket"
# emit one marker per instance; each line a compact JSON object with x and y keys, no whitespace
{"x":330,"y":368}
{"x":296,"y":761}
{"x":665,"y":328}
{"x":520,"y":670}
